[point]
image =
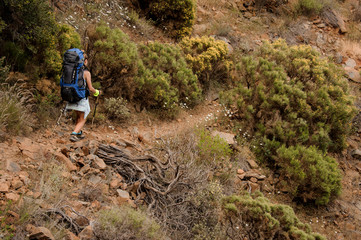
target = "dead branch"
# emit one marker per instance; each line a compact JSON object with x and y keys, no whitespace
{"x":165,"y":184}
{"x":66,"y":218}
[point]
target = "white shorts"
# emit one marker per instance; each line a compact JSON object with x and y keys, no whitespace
{"x":81,"y":106}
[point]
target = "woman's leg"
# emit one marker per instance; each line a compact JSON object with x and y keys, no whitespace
{"x":80,"y":121}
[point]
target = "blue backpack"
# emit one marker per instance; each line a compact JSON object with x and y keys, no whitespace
{"x":72,"y":82}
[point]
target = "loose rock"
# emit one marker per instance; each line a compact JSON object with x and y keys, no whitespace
{"x":40,"y":233}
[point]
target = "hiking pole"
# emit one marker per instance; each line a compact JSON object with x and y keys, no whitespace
{"x":95,"y":109}
{"x":61,"y":114}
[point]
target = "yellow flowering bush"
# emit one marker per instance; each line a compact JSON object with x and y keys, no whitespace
{"x":207,"y":57}
{"x":68,"y":38}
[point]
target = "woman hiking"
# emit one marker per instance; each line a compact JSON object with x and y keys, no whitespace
{"x":82,"y":107}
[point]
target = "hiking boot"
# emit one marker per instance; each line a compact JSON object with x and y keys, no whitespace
{"x":80,"y":135}
{"x":74,"y":138}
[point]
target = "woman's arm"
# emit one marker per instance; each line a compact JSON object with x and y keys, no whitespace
{"x":87,"y":77}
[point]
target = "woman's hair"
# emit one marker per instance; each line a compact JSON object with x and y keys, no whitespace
{"x":84,"y":54}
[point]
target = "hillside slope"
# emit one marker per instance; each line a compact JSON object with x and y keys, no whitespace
{"x":46,"y":175}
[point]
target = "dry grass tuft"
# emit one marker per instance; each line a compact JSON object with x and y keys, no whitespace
{"x":351,"y":48}
{"x":15,"y":102}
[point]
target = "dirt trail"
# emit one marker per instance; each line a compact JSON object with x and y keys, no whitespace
{"x":145,"y":129}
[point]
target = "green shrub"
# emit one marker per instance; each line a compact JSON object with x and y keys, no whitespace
{"x":2,"y":25}
{"x":207,"y":203}
{"x":126,"y":223}
{"x":114,"y":60}
{"x":15,"y":109}
{"x":14,"y":55}
{"x":291,"y":96}
{"x":309,"y":7}
{"x":164,"y":79}
{"x":312,"y":173}
{"x":207,"y":57}
{"x":176,"y":16}
{"x":64,"y":38}
{"x":213,"y":149}
{"x":33,"y":41}
{"x":30,"y":25}
{"x":116,"y":108}
{"x":257,"y":217}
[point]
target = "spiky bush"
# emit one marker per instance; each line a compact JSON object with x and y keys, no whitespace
{"x":114,"y":60}
{"x":255,"y":217}
{"x":126,"y":223}
{"x":310,"y":171}
{"x":176,"y":16}
{"x":291,"y":96}
{"x":164,"y":79}
{"x":207,"y":57}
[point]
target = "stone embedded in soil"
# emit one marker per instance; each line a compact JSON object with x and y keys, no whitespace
{"x":30,"y":149}
{"x":12,"y":196}
{"x":40,"y":233}
{"x":12,"y":166}
{"x":353,"y":74}
{"x":350,"y":63}
{"x":228,"y":137}
{"x":114,"y":183}
{"x":356,"y":153}
{"x":4,"y":187}
{"x":241,"y":176}
{"x":98,"y":163}
{"x":81,"y":221}
{"x":254,"y":187}
{"x":252,"y":163}
{"x":240,"y":171}
{"x":95,"y":179}
{"x":16,"y":183}
{"x":253,"y":179}
{"x":87,"y":233}
{"x":66,"y":161}
{"x":71,"y":236}
{"x":123,"y":195}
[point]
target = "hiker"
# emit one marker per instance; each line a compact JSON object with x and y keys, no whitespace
{"x":81,"y":107}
